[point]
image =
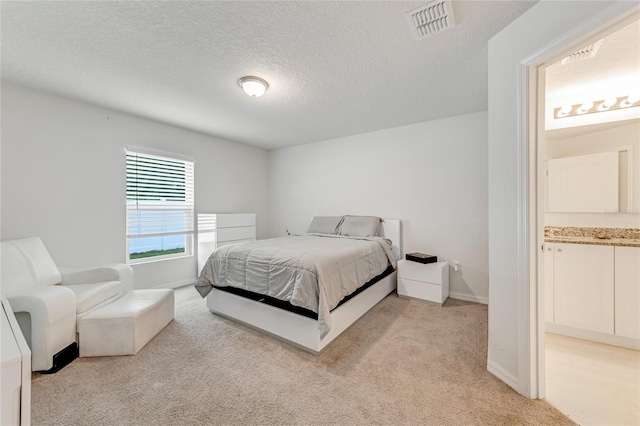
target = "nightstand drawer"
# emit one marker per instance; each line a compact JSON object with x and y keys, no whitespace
{"x":433,"y":273}
{"x":421,"y":290}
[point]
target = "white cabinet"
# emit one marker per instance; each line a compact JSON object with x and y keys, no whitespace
{"x":585,"y":183}
{"x":593,"y":292}
{"x":627,"y":292}
{"x":583,"y":286}
{"x":428,"y":282}
{"x":219,"y":229}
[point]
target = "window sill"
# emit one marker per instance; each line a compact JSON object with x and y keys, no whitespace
{"x":157,"y":259}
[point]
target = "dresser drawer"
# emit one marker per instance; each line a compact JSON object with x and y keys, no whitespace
{"x":234,"y":242}
{"x":235,"y":220}
{"x":234,"y":234}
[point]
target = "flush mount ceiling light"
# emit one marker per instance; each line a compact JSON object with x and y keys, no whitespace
{"x":253,"y":86}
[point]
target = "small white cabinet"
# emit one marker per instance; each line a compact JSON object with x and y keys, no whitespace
{"x":627,"y":292}
{"x":428,"y":282}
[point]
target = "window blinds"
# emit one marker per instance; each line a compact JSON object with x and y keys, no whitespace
{"x":159,"y":196}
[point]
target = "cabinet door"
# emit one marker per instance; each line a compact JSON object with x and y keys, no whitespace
{"x":587,"y":183}
{"x":583,"y":286}
{"x":627,"y":279}
{"x":548,"y":282}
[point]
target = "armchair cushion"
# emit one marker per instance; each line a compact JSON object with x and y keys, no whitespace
{"x":91,"y":295}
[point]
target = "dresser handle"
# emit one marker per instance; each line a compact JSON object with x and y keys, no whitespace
{"x":559,"y":249}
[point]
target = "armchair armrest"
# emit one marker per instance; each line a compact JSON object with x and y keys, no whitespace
{"x":47,"y":318}
{"x":113,"y":272}
{"x":49,"y":303}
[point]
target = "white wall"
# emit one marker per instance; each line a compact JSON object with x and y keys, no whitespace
{"x":432,"y":176}
{"x":63,"y":179}
{"x":535,"y":30}
{"x":626,"y":140}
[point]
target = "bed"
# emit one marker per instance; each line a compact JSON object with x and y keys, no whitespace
{"x":351,"y":276}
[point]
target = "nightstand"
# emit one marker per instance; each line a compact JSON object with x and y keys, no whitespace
{"x":428,"y":281}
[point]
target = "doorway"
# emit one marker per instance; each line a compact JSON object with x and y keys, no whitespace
{"x":578,"y":369}
{"x":589,"y":376}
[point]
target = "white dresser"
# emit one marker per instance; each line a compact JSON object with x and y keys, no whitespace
{"x":219,"y":229}
{"x":428,"y":281}
{"x":16,"y":372}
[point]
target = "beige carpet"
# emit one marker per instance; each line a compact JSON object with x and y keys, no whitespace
{"x":404,"y":362}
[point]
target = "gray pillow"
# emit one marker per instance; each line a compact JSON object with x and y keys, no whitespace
{"x":325,"y":224}
{"x":360,"y":226}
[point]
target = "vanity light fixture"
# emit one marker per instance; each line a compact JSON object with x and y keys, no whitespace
{"x":589,"y":107}
{"x":632,"y":99}
{"x":253,"y":86}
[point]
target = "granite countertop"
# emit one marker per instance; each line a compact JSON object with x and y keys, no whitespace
{"x":626,"y":237}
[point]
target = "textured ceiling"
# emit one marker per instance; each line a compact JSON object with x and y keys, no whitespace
{"x":334,"y":68}
{"x":613,"y":71}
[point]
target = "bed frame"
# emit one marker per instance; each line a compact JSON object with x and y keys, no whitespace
{"x":297,"y":329}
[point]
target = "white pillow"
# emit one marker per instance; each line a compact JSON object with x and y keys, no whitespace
{"x":325,"y":225}
{"x":360,"y":226}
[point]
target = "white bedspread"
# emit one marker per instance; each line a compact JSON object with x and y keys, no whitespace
{"x":313,"y":271}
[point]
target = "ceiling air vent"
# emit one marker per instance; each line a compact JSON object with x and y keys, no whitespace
{"x":432,"y":18}
{"x":584,"y":53}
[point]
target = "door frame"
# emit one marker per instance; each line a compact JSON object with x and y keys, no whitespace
{"x":530,"y":184}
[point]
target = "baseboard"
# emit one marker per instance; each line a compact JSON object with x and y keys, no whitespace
{"x":469,"y":297}
{"x":176,"y":284}
{"x":609,"y":339}
{"x":497,"y":371}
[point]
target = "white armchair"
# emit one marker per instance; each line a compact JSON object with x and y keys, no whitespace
{"x":47,"y":301}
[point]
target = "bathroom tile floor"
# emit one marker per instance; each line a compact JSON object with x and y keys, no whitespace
{"x":593,"y":383}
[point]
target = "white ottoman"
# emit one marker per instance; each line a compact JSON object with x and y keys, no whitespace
{"x":124,"y":326}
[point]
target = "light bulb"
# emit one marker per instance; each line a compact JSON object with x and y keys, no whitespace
{"x":566,"y":109}
{"x":253,"y":86}
{"x":585,"y":107}
{"x":631,"y":99}
{"x":607,"y":103}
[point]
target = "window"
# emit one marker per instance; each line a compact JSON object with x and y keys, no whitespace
{"x":159,"y":207}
